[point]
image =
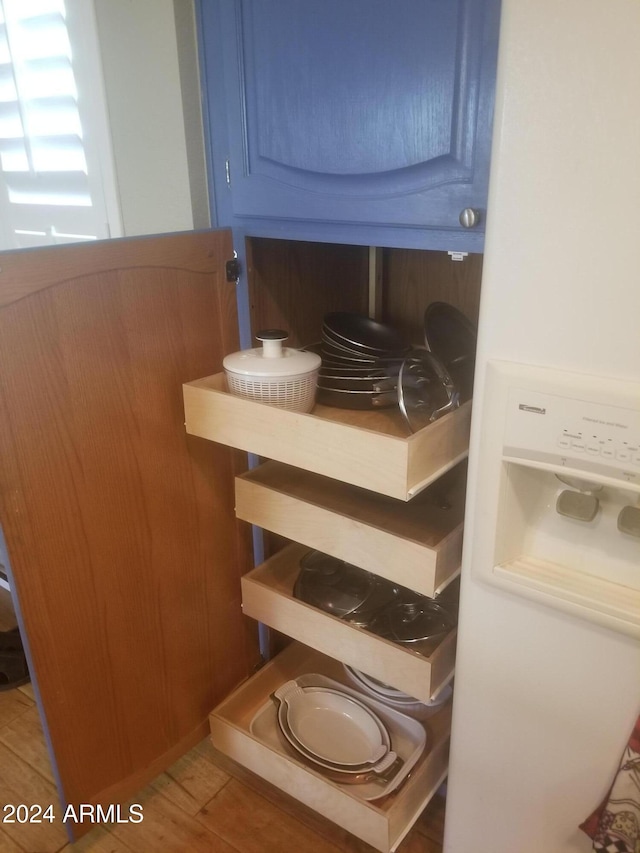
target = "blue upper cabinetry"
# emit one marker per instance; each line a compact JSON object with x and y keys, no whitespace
{"x":359,"y":121}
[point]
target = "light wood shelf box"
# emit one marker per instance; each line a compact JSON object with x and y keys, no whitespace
{"x":380,"y":823}
{"x":267,"y":596}
{"x":417,"y":544}
{"x":372,"y":450}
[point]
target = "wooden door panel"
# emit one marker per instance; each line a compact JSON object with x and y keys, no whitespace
{"x":124,"y":548}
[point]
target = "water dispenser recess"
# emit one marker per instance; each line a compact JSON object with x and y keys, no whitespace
{"x":559,"y":461}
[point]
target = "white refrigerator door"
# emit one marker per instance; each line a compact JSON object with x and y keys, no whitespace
{"x":544,"y":700}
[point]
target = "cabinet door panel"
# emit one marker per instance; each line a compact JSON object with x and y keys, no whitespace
{"x":358,"y":112}
{"x":125,"y":554}
{"x":327,"y":87}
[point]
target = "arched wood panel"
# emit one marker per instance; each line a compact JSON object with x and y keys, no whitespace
{"x":124,"y":548}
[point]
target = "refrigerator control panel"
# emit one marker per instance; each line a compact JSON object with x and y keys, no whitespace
{"x":557,"y":501}
{"x":573,"y":432}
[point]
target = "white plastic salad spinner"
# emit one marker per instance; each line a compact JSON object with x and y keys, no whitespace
{"x":280,"y":376}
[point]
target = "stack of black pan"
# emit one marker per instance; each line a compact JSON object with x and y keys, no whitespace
{"x":369,"y":365}
{"x":361,"y":359}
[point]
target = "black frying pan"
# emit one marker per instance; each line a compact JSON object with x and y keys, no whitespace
{"x":364,"y":334}
{"x":356,"y":399}
{"x":369,"y":372}
{"x":342,"y":354}
{"x":350,"y":383}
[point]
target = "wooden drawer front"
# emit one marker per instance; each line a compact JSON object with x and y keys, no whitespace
{"x":267,"y":595}
{"x":381,"y":823}
{"x":367,"y":449}
{"x":416,"y":544}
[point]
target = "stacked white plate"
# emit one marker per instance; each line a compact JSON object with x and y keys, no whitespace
{"x":396,"y":698}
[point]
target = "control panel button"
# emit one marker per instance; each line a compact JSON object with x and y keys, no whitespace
{"x":608,"y":452}
{"x":593,"y":449}
{"x":623,"y":455}
{"x":564,"y":442}
{"x":578,"y":446}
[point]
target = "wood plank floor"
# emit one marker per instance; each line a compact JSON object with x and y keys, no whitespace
{"x":202,"y":804}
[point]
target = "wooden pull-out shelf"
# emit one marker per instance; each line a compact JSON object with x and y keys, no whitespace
{"x":368,"y":449}
{"x":417,"y":544}
{"x":267,"y":595}
{"x":381,"y":823}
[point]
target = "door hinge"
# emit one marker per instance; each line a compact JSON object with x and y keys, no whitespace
{"x":227,"y":171}
{"x":232,"y":270}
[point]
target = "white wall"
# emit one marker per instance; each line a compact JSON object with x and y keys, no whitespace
{"x":139,"y":52}
{"x":545,"y":702}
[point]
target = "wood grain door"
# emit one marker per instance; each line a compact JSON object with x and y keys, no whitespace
{"x":124,"y":549}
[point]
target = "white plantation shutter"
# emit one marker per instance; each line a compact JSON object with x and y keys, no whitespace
{"x":50,"y":179}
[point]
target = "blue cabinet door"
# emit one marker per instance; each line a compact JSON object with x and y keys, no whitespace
{"x":354,"y":117}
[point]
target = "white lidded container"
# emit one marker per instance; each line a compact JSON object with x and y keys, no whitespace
{"x":273,"y":374}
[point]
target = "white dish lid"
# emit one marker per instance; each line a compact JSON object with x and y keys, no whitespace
{"x":272,"y":360}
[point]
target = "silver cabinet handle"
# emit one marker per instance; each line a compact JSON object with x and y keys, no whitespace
{"x":469,"y":217}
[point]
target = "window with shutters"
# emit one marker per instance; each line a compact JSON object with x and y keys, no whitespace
{"x":53,"y":166}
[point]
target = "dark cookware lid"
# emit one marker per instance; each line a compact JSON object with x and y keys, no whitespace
{"x":415,"y":621}
{"x":425,"y":390}
{"x":331,"y":584}
{"x":451,"y":337}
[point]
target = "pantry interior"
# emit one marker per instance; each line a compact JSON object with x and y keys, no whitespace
{"x":405,"y":526}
